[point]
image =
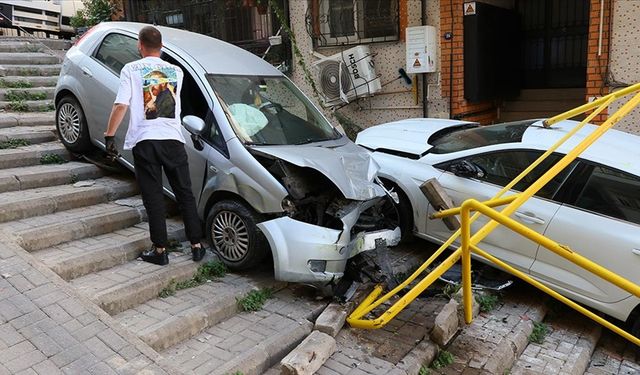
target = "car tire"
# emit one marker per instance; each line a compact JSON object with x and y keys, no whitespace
{"x":405,"y":212}
{"x":234,"y":236}
{"x":71,"y":125}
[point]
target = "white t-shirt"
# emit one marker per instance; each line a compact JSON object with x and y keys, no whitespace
{"x":151,"y":87}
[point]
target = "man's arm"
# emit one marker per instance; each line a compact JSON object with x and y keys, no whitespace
{"x":117,"y":114}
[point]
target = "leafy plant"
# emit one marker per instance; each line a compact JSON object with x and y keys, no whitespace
{"x":18,"y":106}
{"x":424,"y":371}
{"x":443,"y":359}
{"x":206,"y":272}
{"x":15,"y":96}
{"x":14,"y":85}
{"x":14,"y":143}
{"x":52,"y":159}
{"x":487,"y":302}
{"x":94,"y":12}
{"x":539,"y":332}
{"x":450,"y":290}
{"x":78,"y":20}
{"x":254,"y":300}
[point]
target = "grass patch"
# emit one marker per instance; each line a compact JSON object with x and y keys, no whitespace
{"x":13,"y":143}
{"x":50,"y":107}
{"x":443,"y":359}
{"x":18,"y":106}
{"x":487,"y":302}
{"x":424,"y":371}
{"x":254,"y":300}
{"x":28,"y":71}
{"x":52,"y":159}
{"x":206,"y":272}
{"x":16,"y":96}
{"x":539,"y":332}
{"x":4,"y":84}
{"x":450,"y":290}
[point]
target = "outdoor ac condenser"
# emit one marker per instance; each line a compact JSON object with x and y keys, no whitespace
{"x":346,"y":76}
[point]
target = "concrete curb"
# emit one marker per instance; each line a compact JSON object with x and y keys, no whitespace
{"x":309,"y":355}
{"x":422,"y":355}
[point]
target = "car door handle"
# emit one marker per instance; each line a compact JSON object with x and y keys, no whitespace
{"x":529,"y":218}
{"x":86,"y":71}
{"x":213,"y":169}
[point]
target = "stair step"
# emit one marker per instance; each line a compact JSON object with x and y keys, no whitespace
{"x":32,"y":134}
{"x":555,"y":106}
{"x":553,"y":94}
{"x":32,"y":58}
{"x":127,"y":285}
{"x":36,"y":176}
{"x":55,"y":44}
{"x":53,"y":229}
{"x":18,"y":46}
{"x":28,"y":105}
{"x":165,"y":322}
{"x":31,"y":155}
{"x":78,"y":258}
{"x":23,"y":204}
{"x":249,"y":342}
{"x":30,"y":69}
{"x":9,"y":119}
{"x":566,"y":348}
{"x":27,"y":93}
{"x":30,"y":81}
{"x":614,"y":355}
{"x":492,"y":342}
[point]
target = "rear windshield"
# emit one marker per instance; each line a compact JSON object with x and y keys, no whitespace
{"x":465,"y":138}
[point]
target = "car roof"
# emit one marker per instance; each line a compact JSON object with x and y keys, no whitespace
{"x":214,"y":55}
{"x":614,"y":148}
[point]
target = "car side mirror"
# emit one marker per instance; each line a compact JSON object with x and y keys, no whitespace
{"x":194,"y":124}
{"x":467,"y":169}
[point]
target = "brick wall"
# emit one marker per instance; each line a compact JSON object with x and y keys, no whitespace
{"x":483,"y":112}
{"x":597,"y":64}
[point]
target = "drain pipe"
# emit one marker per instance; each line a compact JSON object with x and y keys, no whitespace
{"x":425,"y":88}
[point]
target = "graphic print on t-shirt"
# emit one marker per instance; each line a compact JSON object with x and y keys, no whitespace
{"x":159,"y":85}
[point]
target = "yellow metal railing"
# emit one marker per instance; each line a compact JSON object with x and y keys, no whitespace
{"x":513,"y":202}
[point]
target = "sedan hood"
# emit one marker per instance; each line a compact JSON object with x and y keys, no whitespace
{"x":348,"y":166}
{"x":406,"y":136}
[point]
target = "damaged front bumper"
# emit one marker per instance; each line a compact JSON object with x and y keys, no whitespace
{"x":310,"y":253}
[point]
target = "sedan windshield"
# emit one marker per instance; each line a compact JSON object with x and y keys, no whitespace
{"x":270,"y":111}
{"x":464,"y":138}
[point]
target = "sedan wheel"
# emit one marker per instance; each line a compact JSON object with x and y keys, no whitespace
{"x":69,"y":121}
{"x":72,"y":125}
{"x":232,"y":230}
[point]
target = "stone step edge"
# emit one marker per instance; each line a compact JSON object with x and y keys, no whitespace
{"x":135,"y":292}
{"x":62,"y":201}
{"x":11,"y":119}
{"x":105,"y":258}
{"x":260,"y":358}
{"x":17,"y":182}
{"x":53,"y":234}
{"x":179,"y":328}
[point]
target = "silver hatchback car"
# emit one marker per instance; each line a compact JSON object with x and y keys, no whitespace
{"x":269,"y":173}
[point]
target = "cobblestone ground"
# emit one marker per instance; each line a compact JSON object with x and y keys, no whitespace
{"x":614,"y":355}
{"x":567,"y":346}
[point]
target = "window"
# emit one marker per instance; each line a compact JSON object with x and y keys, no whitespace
{"x":500,"y":168}
{"x":117,"y":50}
{"x":612,"y":193}
{"x":336,"y":22}
{"x":465,"y":137}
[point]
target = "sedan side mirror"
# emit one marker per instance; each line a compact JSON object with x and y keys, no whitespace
{"x":465,"y":168}
{"x":194,"y":124}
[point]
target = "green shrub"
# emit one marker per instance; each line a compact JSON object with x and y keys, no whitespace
{"x":254,"y":300}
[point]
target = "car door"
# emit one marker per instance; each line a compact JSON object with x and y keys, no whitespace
{"x":101,"y":79}
{"x":600,"y":221}
{"x":499,"y":169}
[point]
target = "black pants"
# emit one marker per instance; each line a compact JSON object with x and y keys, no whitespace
{"x":150,"y":158}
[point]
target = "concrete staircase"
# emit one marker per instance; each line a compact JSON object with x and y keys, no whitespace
{"x":541,"y":103}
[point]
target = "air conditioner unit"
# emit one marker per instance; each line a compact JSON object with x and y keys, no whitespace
{"x":346,"y":76}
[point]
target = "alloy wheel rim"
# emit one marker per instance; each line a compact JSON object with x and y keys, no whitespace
{"x":230,"y":236}
{"x":69,"y":123}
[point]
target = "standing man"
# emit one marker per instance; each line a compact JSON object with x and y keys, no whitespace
{"x":151,"y":88}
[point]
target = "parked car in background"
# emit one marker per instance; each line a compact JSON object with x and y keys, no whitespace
{"x":270,"y":175}
{"x":593,"y":206}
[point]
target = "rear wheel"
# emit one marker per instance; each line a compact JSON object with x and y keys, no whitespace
{"x":72,"y":125}
{"x":233,"y":233}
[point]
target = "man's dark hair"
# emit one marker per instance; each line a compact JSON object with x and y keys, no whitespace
{"x":150,"y":38}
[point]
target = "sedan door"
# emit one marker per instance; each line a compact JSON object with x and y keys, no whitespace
{"x":499,"y":168}
{"x":600,"y":221}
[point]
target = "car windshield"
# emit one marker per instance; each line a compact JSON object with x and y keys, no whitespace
{"x":267,"y":110}
{"x":465,"y":138}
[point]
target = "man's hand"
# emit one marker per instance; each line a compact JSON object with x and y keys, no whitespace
{"x":110,"y":145}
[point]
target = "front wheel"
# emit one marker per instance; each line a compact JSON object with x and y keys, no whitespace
{"x":233,"y":233}
{"x":72,"y":125}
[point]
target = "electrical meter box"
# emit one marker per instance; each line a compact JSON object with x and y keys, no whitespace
{"x":421,"y":49}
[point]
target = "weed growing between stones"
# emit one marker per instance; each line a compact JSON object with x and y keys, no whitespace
{"x":13,"y":143}
{"x":52,"y":159}
{"x":16,"y":96}
{"x":18,"y":106}
{"x":206,"y":272}
{"x":443,"y":359}
{"x":28,"y":71}
{"x":14,"y":85}
{"x":424,"y":371}
{"x":539,"y":332}
{"x":254,"y":300}
{"x":450,"y":290}
{"x":487,"y":302}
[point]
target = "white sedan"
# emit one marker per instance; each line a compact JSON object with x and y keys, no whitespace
{"x":593,"y":206}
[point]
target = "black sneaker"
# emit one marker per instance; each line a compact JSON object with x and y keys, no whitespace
{"x":198,"y":253}
{"x":152,"y":256}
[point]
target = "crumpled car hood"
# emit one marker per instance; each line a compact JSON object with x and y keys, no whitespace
{"x":348,"y":166}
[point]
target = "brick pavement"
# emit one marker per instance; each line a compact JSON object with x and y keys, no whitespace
{"x":614,"y":355}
